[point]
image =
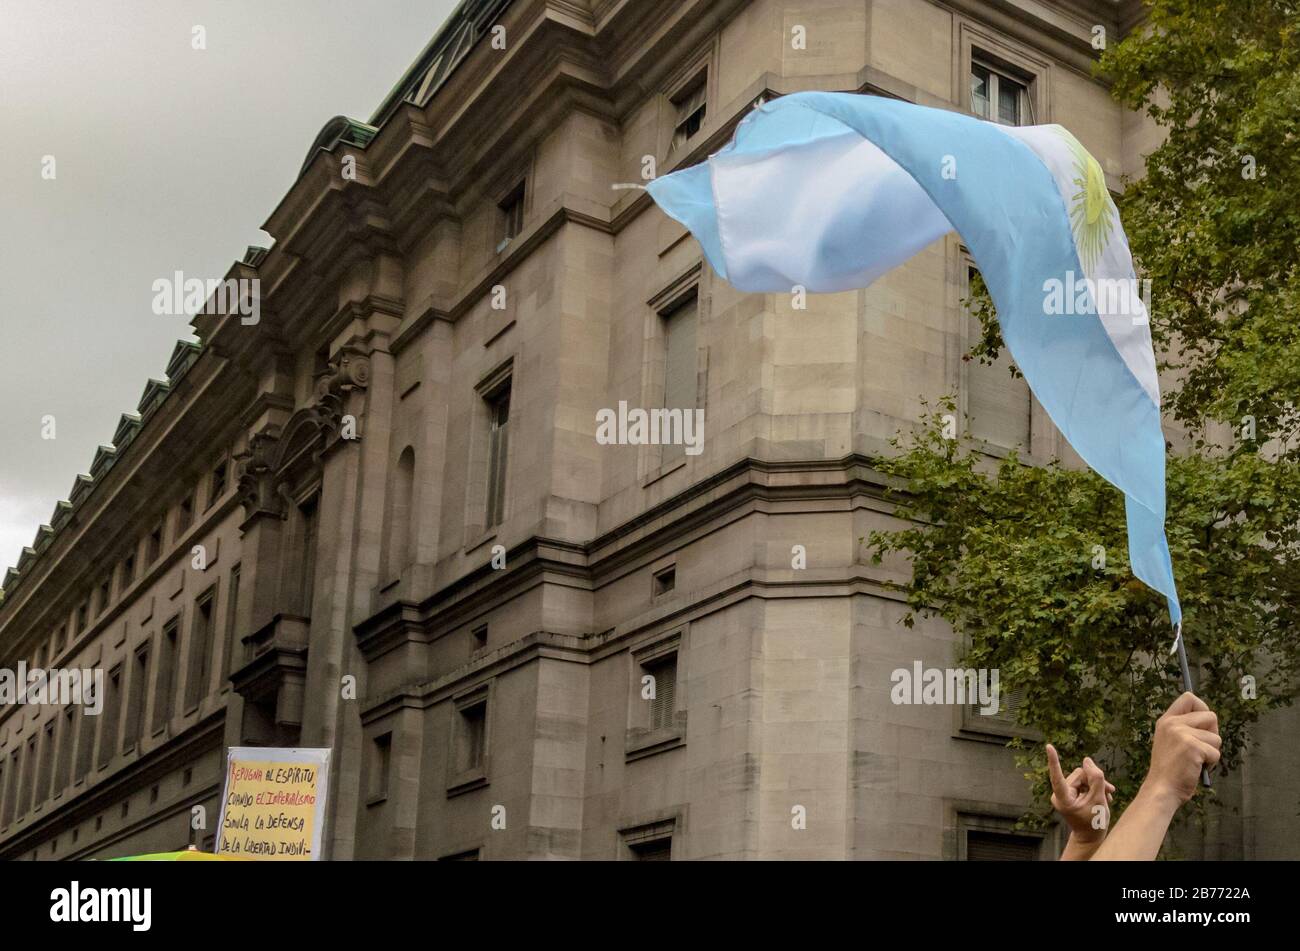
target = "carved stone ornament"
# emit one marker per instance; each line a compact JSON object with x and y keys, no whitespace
{"x":349,"y":373}
{"x":257,"y":475}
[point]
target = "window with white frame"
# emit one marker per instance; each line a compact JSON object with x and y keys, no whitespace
{"x":999,"y":95}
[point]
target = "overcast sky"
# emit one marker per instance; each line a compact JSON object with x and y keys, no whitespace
{"x":167,"y":158}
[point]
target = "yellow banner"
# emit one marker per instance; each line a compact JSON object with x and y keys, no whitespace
{"x":274,"y":803}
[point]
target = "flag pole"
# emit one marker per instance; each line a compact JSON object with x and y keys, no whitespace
{"x":1187,"y":684}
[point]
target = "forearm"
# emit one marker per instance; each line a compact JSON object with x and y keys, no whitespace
{"x":1141,"y":830}
{"x":1081,"y":848}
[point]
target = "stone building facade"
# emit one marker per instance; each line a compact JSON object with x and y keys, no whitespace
{"x":378,"y":518}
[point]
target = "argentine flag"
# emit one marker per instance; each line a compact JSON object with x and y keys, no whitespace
{"x":828,"y":191}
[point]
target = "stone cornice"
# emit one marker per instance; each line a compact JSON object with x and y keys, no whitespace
{"x":751,"y":583}
{"x":721,"y":497}
{"x":519,"y":652}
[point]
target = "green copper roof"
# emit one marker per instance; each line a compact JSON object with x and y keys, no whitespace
{"x":339,"y":129}
{"x":451,"y":44}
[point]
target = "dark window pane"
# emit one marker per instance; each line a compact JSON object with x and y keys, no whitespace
{"x":1000,"y":847}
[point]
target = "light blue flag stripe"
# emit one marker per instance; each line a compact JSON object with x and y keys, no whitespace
{"x":779,"y":207}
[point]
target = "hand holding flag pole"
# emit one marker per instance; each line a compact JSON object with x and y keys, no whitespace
{"x":1187,"y":683}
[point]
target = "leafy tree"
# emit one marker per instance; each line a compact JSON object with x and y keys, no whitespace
{"x":1029,"y":563}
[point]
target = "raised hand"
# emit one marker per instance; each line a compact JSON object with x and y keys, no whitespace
{"x":1083,"y":799}
{"x":1186,"y":736}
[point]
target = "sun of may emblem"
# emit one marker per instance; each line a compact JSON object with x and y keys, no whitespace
{"x":1092,"y":213}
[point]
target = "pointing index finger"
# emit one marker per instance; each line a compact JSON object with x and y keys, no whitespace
{"x":1054,"y":771}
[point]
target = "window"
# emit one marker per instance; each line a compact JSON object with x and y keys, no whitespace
{"x":306,"y":554}
{"x":660,"y":691}
{"x":57,"y":642}
{"x":664,"y":581}
{"x":512,"y":216}
{"x":650,"y":843}
{"x":219,"y":479}
{"x":380,"y":761}
{"x":25,"y":780}
{"x":138,"y":687}
{"x":656,"y":719}
{"x":45,"y":779}
{"x":196,"y":681}
{"x":998,"y":96}
{"x":478,"y":638}
{"x":38,"y":658}
{"x":11,"y":792}
{"x":999,"y":405}
{"x":105,"y":594}
{"x":163,"y":691}
{"x":1004,"y":722}
{"x":128,"y":570}
{"x":680,"y":370}
{"x":232,"y":607}
{"x":85,"y":743}
{"x":656,"y":850}
{"x":67,"y":735}
{"x":982,"y":837}
{"x":985,"y":846}
{"x":154,"y":551}
{"x":83,"y":615}
{"x":185,"y":515}
{"x":692,"y":108}
{"x":472,"y":741}
{"x":498,"y":453}
{"x":112,"y":710}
